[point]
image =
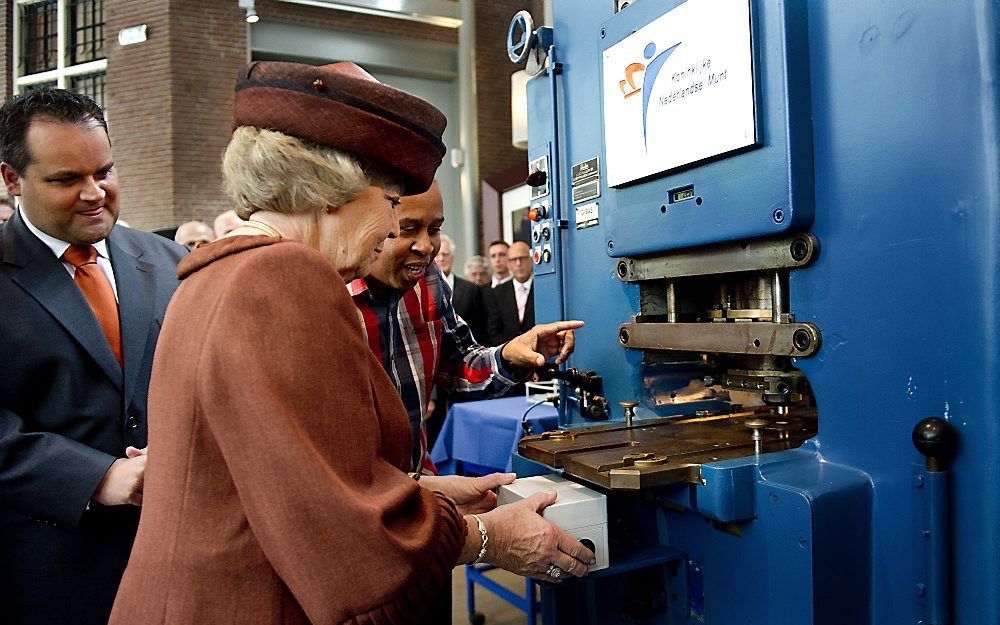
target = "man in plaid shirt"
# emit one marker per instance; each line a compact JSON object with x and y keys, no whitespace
{"x":405,"y":308}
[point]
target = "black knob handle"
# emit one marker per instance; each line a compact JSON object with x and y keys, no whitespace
{"x":936,"y":439}
{"x":537,"y":178}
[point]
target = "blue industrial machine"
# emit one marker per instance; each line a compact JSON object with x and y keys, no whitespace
{"x":780,"y":221}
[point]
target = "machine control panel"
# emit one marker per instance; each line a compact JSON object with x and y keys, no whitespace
{"x":541,"y":252}
{"x":542,"y":212}
{"x":541,"y":234}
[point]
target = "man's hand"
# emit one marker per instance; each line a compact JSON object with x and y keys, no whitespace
{"x":122,"y":484}
{"x":540,"y":343}
{"x":474,"y":495}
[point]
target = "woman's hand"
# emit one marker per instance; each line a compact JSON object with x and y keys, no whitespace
{"x":473,"y":495}
{"x":521,"y":541}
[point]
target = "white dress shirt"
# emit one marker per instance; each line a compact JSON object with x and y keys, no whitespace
{"x":59,"y":248}
{"x":494,"y":282}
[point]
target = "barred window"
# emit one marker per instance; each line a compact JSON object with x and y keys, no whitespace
{"x":60,"y":43}
{"x":39,"y":85}
{"x":86,"y":30}
{"x":90,"y":85}
{"x":40,"y":36}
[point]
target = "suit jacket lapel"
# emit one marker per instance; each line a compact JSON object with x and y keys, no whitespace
{"x":529,"y":309}
{"x":45,"y":279}
{"x":136,"y":294}
{"x":509,"y":305}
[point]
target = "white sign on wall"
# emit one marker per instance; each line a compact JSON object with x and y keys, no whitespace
{"x":132,"y":35}
{"x":679,"y":90}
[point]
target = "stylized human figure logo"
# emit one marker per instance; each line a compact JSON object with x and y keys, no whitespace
{"x":631,"y":89}
{"x":652,"y":71}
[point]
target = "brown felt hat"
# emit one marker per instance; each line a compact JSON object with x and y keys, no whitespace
{"x":342,"y":106}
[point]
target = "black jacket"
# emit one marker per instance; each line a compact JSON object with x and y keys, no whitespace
{"x":503,"y":323}
{"x":467,"y":298}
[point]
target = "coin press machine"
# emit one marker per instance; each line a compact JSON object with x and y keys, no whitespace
{"x":779,"y":221}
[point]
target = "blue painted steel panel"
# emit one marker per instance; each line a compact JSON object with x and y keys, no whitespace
{"x":762,"y":191}
{"x":898,"y":129}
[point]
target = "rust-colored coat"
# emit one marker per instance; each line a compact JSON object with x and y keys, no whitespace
{"x":273,"y":492}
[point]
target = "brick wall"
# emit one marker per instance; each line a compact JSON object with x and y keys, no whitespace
{"x":6,"y":45}
{"x":137,"y":98}
{"x":319,"y":16}
{"x":170,"y":98}
{"x":170,"y":105}
{"x":210,"y":49}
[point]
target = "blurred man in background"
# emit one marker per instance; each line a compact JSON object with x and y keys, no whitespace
{"x":477,"y":270}
{"x":194,"y":234}
{"x":512,"y":309}
{"x":466,"y":297}
{"x":497,"y":253}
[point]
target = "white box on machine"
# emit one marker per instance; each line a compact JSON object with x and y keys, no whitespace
{"x":580,"y":511}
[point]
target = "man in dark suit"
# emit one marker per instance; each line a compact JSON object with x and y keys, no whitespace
{"x":82,"y":304}
{"x":512,"y":305}
{"x":466,"y":297}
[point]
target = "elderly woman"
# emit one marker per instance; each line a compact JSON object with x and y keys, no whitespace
{"x":274,"y":491}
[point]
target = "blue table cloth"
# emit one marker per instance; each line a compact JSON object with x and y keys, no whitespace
{"x":486,"y":433}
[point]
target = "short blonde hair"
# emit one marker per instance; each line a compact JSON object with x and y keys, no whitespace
{"x":268,"y":170}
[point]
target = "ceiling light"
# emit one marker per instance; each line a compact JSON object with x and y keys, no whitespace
{"x":252,"y":17}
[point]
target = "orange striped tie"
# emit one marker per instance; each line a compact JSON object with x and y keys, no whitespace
{"x":97,"y":290}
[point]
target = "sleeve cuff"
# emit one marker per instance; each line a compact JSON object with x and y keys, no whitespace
{"x":507,"y":371}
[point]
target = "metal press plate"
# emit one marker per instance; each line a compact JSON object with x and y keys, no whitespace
{"x":655,"y":452}
{"x":759,"y":338}
{"x":788,"y":252}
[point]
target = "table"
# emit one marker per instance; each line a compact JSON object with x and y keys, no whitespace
{"x":478,"y":437}
{"x":481,"y":435}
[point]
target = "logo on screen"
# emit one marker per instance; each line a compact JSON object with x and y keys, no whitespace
{"x":650,"y":74}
